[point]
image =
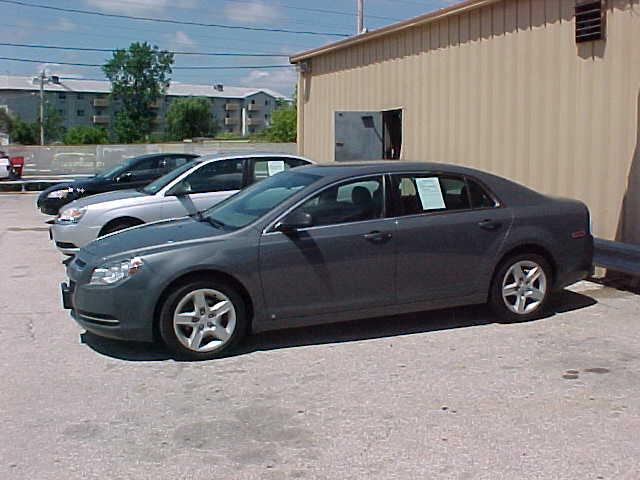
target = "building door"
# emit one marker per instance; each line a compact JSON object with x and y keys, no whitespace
{"x":358,"y":136}
{"x":368,"y":135}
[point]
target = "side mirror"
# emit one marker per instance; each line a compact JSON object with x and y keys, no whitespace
{"x":294,"y":222}
{"x":125,"y":177}
{"x":179,"y":190}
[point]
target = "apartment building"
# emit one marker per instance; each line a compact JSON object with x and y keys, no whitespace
{"x":235,"y":110}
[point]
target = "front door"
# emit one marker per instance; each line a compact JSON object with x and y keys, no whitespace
{"x":449,"y":231}
{"x":346,"y":261}
{"x":206,"y":186}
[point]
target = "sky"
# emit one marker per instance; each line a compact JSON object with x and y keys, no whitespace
{"x":28,"y":25}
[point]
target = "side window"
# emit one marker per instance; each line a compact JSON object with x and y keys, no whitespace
{"x":266,"y":167}
{"x":479,"y":196}
{"x":219,"y":176}
{"x":422,"y":193}
{"x":146,"y":168}
{"x":348,"y":202}
{"x":169,"y":163}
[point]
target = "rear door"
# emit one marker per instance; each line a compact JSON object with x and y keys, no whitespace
{"x":449,"y":229}
{"x":346,"y":261}
{"x":209,"y":185}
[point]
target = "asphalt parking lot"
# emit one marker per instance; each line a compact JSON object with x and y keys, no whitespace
{"x":448,"y":394}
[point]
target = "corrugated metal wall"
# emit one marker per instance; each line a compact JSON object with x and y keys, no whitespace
{"x":503,"y":88}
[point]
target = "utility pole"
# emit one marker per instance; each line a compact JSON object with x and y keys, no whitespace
{"x":42,"y":79}
{"x":360,"y":17}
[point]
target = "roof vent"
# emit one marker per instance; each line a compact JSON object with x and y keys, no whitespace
{"x":219,"y":87}
{"x":589,"y":21}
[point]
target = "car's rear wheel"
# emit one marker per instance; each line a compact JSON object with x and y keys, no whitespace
{"x":521,"y":288}
{"x":203,"y":319}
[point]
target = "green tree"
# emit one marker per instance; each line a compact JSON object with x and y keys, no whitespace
{"x":284,"y":125}
{"x":85,"y":135}
{"x":189,"y":118}
{"x":53,"y":125}
{"x":24,"y":133}
{"x":139,"y":77}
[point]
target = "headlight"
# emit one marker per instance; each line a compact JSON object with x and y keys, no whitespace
{"x":72,"y":215}
{"x":111,"y":273}
{"x":60,"y":193}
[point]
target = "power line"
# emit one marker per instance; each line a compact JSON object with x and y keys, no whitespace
{"x":171,"y":20}
{"x":275,"y":4}
{"x":198,"y":67}
{"x":111,"y":50}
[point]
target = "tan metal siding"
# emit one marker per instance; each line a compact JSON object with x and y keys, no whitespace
{"x":503,"y":88}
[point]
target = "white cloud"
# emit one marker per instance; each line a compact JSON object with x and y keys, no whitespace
{"x":64,"y":25}
{"x":256,"y":12}
{"x":282,"y":81}
{"x":134,"y":7}
{"x":180,"y":41}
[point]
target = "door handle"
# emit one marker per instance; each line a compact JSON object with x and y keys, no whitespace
{"x":377,"y":237}
{"x":489,"y":224}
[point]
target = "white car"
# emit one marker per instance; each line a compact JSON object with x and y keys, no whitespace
{"x":189,"y":189}
{"x":5,"y":167}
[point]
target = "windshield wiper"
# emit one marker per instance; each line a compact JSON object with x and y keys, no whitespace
{"x":215,"y":223}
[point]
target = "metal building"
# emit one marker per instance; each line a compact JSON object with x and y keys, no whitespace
{"x":545,"y":92}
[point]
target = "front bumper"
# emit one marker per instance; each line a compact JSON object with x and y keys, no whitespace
{"x":69,"y":238}
{"x":122,"y":311}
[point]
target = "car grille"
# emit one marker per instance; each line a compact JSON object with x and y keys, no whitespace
{"x":65,"y":245}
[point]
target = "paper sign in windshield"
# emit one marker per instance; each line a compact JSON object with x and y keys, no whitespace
{"x":430,"y":193}
{"x":275,"y":166}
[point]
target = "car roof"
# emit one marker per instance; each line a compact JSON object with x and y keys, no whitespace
{"x":220,"y":155}
{"x":348,"y":169}
{"x":162,"y":154}
{"x":506,"y":190}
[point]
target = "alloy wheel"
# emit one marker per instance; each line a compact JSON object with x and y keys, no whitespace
{"x":524,"y":287}
{"x":204,"y":320}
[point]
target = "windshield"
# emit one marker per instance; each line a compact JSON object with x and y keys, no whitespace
{"x":114,"y":171}
{"x":252,"y":203}
{"x":159,"y":183}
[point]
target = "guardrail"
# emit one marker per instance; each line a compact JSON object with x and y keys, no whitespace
{"x":621,"y":257}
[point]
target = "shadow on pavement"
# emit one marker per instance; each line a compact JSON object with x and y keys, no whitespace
{"x":367,"y":329}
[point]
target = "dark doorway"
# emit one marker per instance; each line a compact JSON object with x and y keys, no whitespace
{"x":392,"y":134}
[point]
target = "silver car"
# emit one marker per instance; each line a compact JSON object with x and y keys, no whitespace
{"x":189,"y":189}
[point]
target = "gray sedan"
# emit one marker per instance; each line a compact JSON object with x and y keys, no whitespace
{"x":322,"y":244}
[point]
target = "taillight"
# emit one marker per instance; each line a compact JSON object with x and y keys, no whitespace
{"x":578,"y":234}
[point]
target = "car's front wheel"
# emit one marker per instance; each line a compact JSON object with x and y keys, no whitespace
{"x":203,"y":319}
{"x":521,"y":288}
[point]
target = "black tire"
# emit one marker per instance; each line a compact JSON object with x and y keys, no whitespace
{"x":499,"y":305}
{"x":117,"y":226}
{"x":166,"y":327}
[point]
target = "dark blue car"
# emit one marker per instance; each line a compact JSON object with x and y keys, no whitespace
{"x":135,"y":172}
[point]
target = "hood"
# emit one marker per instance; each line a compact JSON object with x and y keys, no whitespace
{"x":79,"y":184}
{"x":107,"y":197}
{"x":151,"y":236}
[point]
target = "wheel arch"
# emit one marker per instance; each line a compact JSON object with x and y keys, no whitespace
{"x":133,"y":221}
{"x":201,"y":274}
{"x":529,"y":247}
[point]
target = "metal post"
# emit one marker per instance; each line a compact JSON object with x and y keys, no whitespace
{"x":360,"y":17}
{"x":42,"y":77}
